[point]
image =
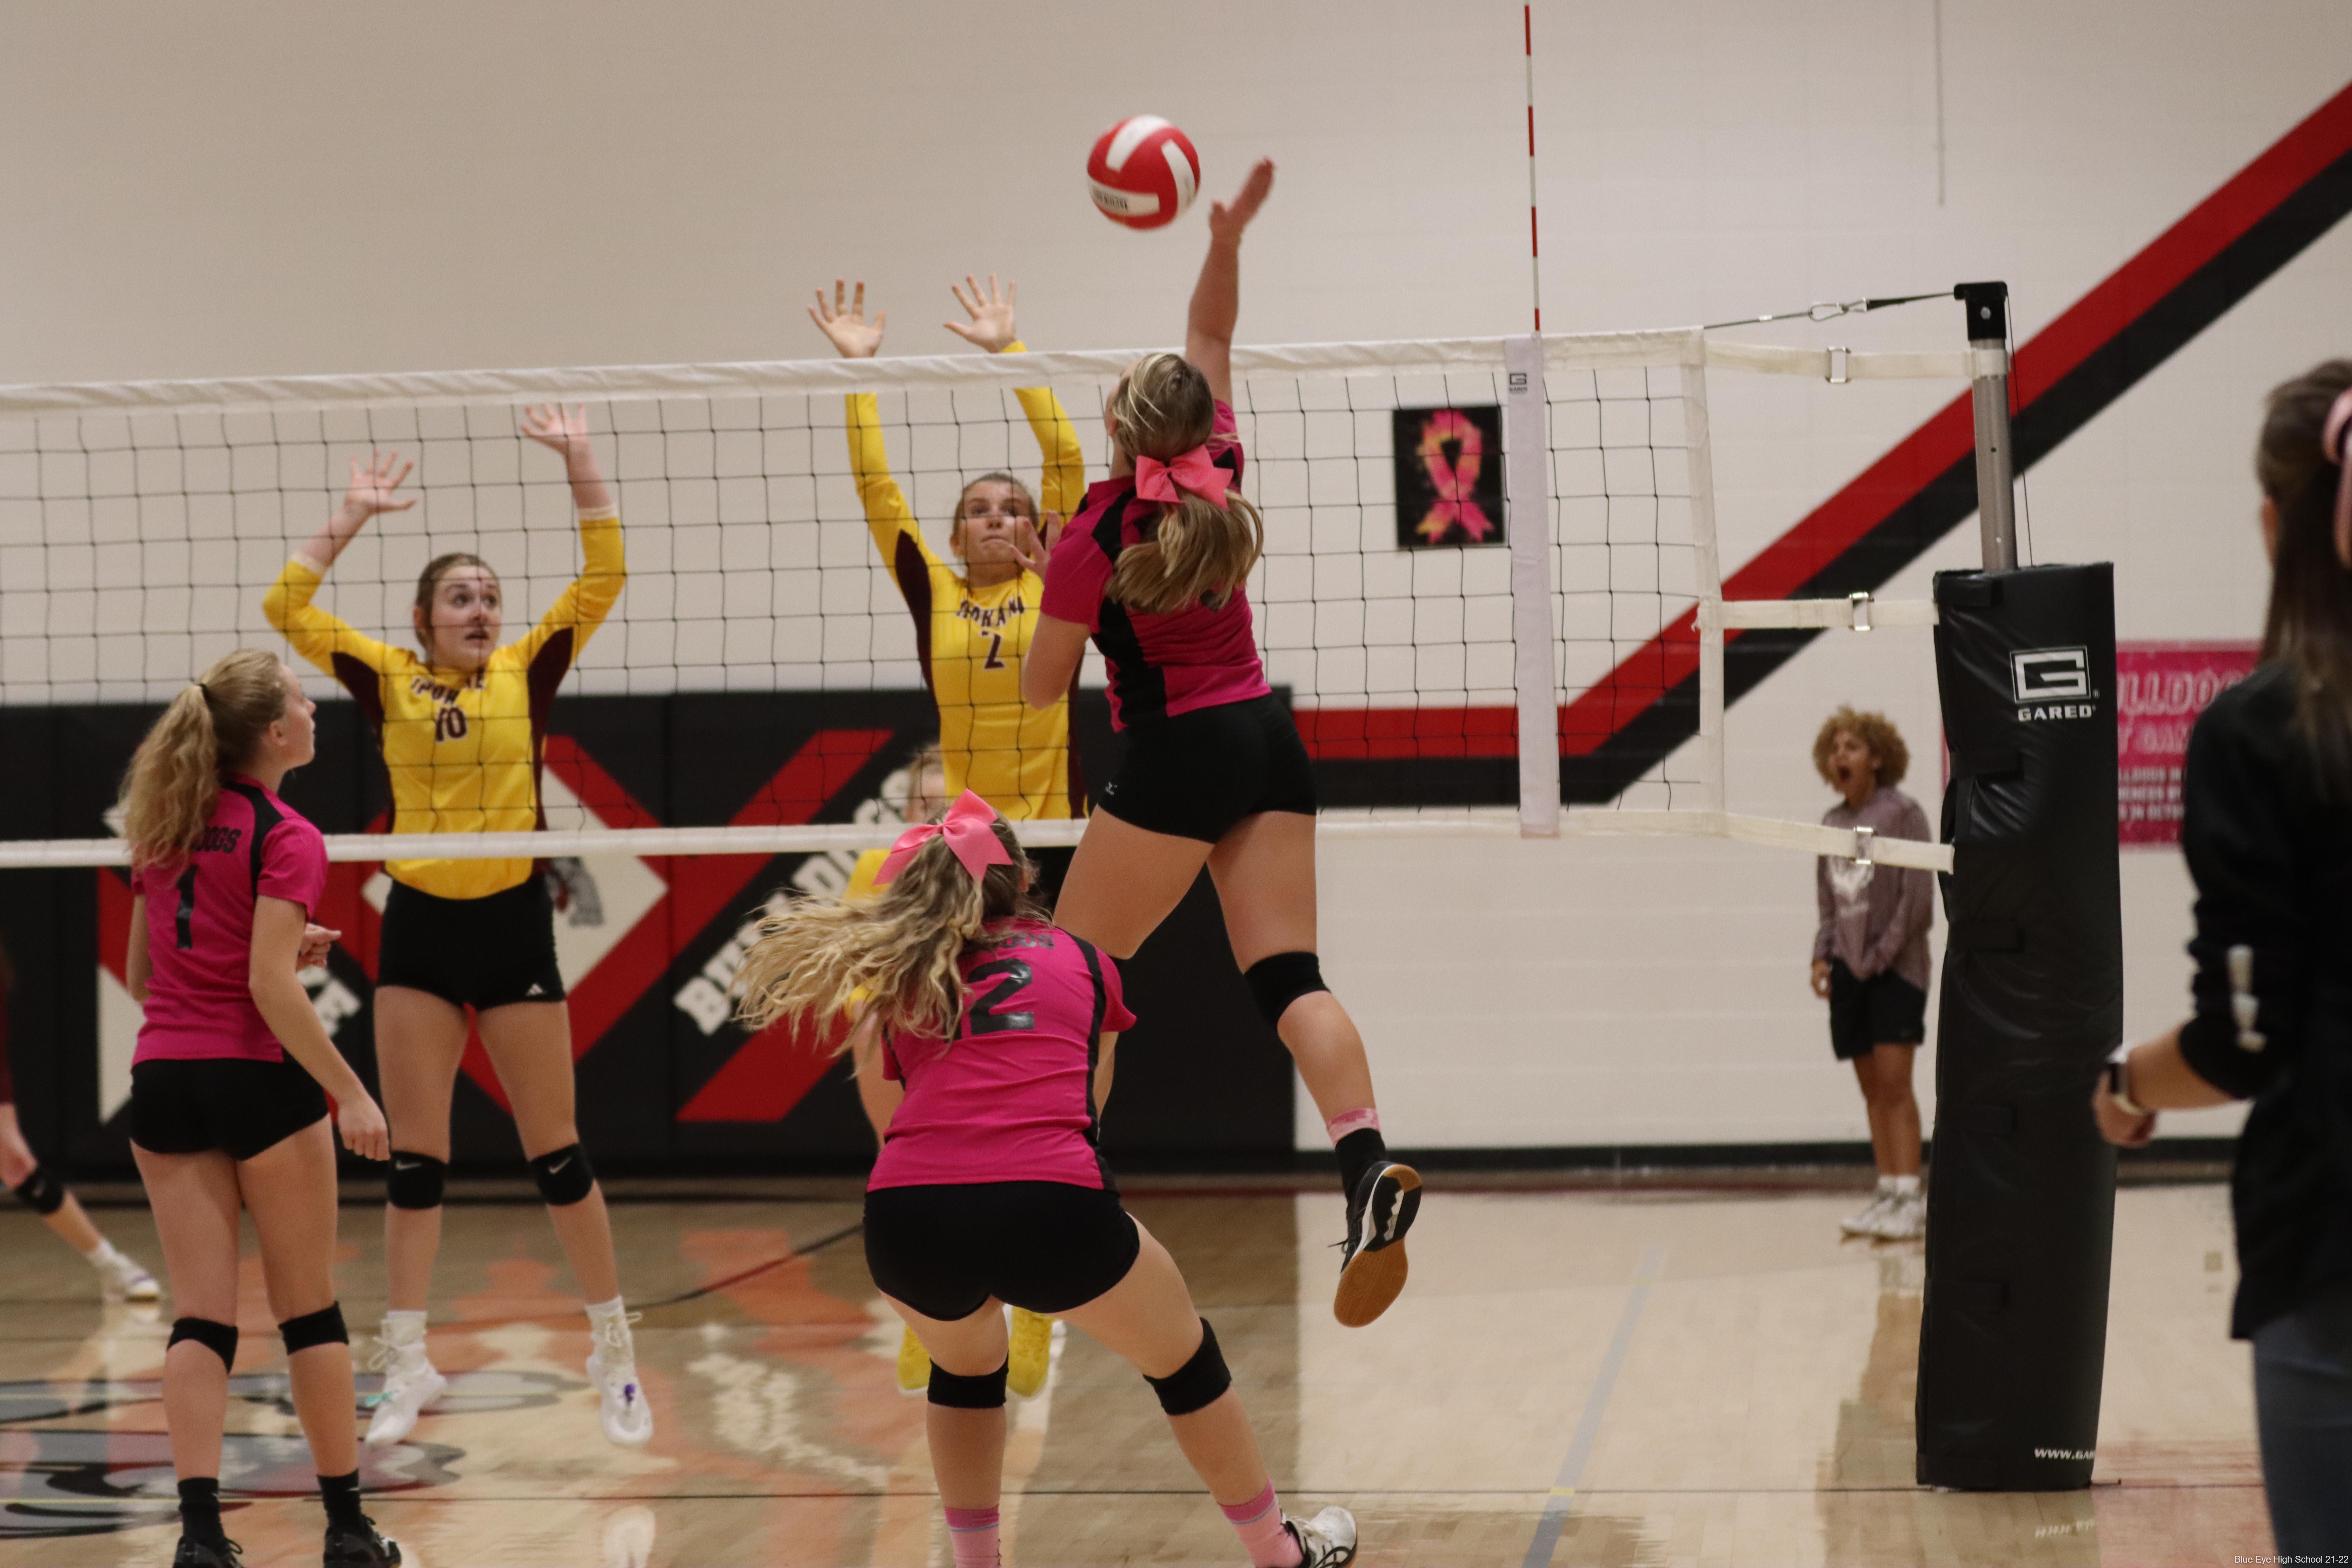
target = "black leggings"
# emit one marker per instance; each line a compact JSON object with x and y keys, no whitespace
{"x":1045,"y":1245}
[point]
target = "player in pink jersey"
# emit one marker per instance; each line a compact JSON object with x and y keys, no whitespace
{"x":1152,"y":569}
{"x":22,"y":1172}
{"x":991,"y":1188}
{"x":230,"y":1079}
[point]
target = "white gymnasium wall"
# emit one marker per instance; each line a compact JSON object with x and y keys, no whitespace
{"x":274,"y":186}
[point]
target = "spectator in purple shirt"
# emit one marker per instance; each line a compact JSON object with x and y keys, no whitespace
{"x":1870,"y":957}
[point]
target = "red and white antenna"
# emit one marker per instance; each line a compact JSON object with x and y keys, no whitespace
{"x":1535,"y":264}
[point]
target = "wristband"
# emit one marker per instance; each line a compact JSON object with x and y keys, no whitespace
{"x":2119,"y":1083}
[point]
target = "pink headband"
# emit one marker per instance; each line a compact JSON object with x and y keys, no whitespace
{"x":2331,"y":447}
{"x":970,"y":830}
{"x":1191,"y":472}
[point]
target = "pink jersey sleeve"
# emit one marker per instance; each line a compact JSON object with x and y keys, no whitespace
{"x":1115,"y":1017}
{"x":1225,"y":439}
{"x":1076,"y":578}
{"x":294,"y":865}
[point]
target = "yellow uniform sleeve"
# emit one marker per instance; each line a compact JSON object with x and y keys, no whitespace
{"x":887,"y":511}
{"x":319,"y":634}
{"x":1064,"y":482}
{"x":584,"y":605}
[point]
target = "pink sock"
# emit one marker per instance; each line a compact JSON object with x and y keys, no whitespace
{"x":1349,"y":1121}
{"x":973,"y":1532}
{"x":1259,"y":1524}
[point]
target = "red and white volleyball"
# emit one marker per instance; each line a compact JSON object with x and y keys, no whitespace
{"x":1143,"y":172}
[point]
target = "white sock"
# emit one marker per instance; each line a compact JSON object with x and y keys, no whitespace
{"x":1886,"y":1186}
{"x":403,"y":1329}
{"x":1904,"y":1186}
{"x":102,"y":1254}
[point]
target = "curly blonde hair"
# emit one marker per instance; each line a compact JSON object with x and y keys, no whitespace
{"x":1875,"y":731}
{"x":900,"y":950}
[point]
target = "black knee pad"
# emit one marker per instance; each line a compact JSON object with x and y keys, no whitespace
{"x":42,"y":1192}
{"x":323,"y":1326}
{"x":1279,"y":981}
{"x":985,"y":1392}
{"x":565,"y":1176}
{"x":1199,"y":1383}
{"x":219,"y":1338}
{"x":414,"y":1182}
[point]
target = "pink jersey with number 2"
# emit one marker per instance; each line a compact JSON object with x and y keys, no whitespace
{"x":200,"y":925}
{"x":1011,"y":1097}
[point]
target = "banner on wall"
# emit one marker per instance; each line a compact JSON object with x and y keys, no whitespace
{"x":2160,"y":689}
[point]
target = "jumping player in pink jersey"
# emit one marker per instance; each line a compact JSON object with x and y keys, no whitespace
{"x":990,"y":1188}
{"x":230,"y":1079}
{"x":1152,"y":569}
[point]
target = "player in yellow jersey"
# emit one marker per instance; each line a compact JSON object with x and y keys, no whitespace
{"x":971,"y":629}
{"x":461,"y":731}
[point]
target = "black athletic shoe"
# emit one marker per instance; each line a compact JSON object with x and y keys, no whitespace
{"x":194,"y":1553}
{"x":363,"y":1548}
{"x":1372,"y":1269}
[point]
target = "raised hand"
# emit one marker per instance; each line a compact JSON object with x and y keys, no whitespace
{"x":372,"y":484}
{"x":846,"y":323}
{"x":556,"y":427}
{"x":992,"y":318}
{"x":1226,"y":220}
{"x":1032,"y":550}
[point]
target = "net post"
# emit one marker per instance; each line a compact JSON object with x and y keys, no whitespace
{"x":1987,"y":311}
{"x":1709,"y":570}
{"x":1527,"y":497}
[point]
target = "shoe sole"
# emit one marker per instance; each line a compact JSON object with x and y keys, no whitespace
{"x":1375,"y":1275}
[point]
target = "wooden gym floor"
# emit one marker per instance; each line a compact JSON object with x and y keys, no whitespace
{"x":1691,"y":1373}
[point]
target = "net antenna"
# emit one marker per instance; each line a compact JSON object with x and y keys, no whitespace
{"x":1485,"y":558}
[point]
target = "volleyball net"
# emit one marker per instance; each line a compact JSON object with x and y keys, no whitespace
{"x":1490,"y":591}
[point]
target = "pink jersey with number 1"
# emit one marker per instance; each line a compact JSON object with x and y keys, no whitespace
{"x":1011,"y":1098}
{"x":200,"y":925}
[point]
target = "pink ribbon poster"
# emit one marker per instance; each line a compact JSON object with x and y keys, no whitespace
{"x":1449,"y":476}
{"x":2161,"y":688}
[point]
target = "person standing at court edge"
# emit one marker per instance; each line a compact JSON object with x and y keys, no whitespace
{"x":1870,"y":957}
{"x":2266,"y":828}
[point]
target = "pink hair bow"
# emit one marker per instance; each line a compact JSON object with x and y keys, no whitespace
{"x":1191,"y":472}
{"x":971,"y":832}
{"x":2331,"y":444}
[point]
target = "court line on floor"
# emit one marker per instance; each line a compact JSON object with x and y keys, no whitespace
{"x":1596,"y":1405}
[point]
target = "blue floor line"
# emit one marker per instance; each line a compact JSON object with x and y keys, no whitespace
{"x":1596,"y":1405}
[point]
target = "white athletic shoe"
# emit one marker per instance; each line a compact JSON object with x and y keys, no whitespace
{"x":1864,"y":1220}
{"x":612,"y":1368}
{"x":1906,"y":1219}
{"x":410,"y":1383}
{"x":120,"y":1279}
{"x":1327,"y":1540}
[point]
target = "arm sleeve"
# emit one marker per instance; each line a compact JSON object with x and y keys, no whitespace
{"x":294,"y":865}
{"x":888,"y":515}
{"x":582,"y":606}
{"x":317,"y":634}
{"x":1075,"y":580}
{"x":1064,"y":481}
{"x":2241,"y":851}
{"x":1115,"y":1017}
{"x":1914,"y":899}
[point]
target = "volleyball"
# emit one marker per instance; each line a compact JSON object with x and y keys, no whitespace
{"x":1143,"y":172}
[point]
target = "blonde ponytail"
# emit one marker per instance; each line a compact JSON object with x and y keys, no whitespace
{"x":213,"y":727}
{"x":900,"y":950}
{"x":1198,"y":552}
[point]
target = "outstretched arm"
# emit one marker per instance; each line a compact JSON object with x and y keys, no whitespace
{"x":1063,"y":479}
{"x":1217,"y":297}
{"x":565,"y":433}
{"x":603,"y":568}
{"x":372,"y":490}
{"x":888,"y":515}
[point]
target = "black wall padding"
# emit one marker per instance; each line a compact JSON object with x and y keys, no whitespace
{"x":2021,"y":1206}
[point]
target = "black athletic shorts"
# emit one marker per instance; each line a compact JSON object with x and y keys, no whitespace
{"x":235,"y":1104}
{"x":1884,"y":1010}
{"x":472,"y":952}
{"x":1198,"y":773}
{"x":1045,"y":1245}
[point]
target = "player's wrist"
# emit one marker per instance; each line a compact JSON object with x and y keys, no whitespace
{"x":2118,"y":1078}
